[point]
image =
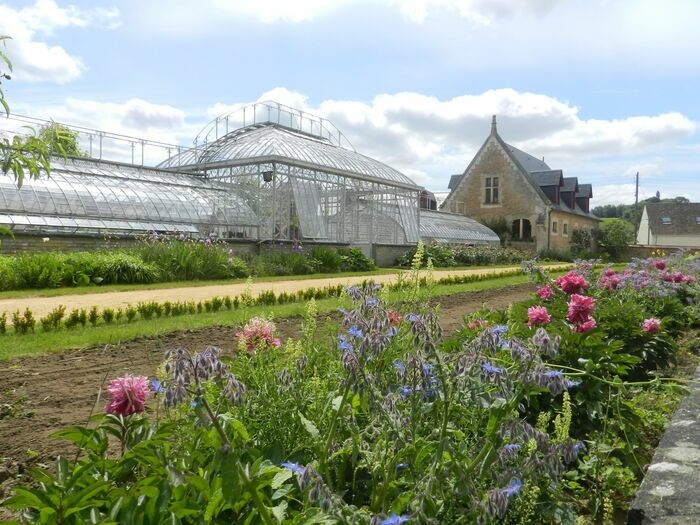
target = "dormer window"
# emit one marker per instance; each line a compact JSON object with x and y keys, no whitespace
{"x":665,"y":220}
{"x":491,"y":190}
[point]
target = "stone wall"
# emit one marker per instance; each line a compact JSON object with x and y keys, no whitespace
{"x":643,"y":251}
{"x":670,"y":493}
{"x":561,"y":241}
{"x":386,"y":254}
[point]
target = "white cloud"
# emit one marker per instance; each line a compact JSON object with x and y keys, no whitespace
{"x":479,"y":11}
{"x":34,"y":59}
{"x":430,"y":138}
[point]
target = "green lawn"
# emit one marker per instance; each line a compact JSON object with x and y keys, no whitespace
{"x":81,"y":290}
{"x":12,"y":346}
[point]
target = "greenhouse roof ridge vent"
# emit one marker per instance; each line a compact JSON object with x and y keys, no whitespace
{"x":271,"y":112}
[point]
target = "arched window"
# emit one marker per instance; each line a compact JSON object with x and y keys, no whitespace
{"x":521,"y":230}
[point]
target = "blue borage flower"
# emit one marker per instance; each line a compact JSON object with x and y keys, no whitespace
{"x":500,"y":329}
{"x":294,"y":467}
{"x":512,"y":446}
{"x":395,"y":519}
{"x":411,"y":318}
{"x":157,"y":387}
{"x":372,"y":301}
{"x":392,"y":332}
{"x":399,"y":365}
{"x":343,"y":343}
{"x":513,"y":487}
{"x":405,"y":391}
{"x":490,"y":369}
{"x":355,"y":331}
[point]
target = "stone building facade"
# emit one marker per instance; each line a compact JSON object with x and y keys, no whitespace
{"x":541,"y":207}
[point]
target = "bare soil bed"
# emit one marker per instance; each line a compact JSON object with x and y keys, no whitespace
{"x":40,"y":395}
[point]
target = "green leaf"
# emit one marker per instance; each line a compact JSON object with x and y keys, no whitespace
{"x":309,"y":426}
{"x":280,"y":511}
{"x":279,"y":479}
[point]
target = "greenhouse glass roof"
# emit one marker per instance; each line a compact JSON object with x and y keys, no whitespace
{"x":454,"y":229}
{"x":91,"y":194}
{"x":272,"y":132}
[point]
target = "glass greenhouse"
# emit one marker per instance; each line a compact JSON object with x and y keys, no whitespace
{"x":262,"y":172}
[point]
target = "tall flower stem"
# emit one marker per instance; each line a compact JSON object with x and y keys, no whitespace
{"x":249,"y":484}
{"x":334,"y":424}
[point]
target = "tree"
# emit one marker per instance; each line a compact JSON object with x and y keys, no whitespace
{"x":61,"y":140}
{"x":614,"y":235}
{"x":26,"y":156}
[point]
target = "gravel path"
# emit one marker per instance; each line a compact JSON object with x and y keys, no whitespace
{"x":40,"y":306}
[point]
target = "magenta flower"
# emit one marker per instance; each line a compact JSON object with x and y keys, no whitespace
{"x":571,"y":283}
{"x":538,"y":315}
{"x":545,"y":292}
{"x":651,"y":325}
{"x":127,"y":395}
{"x":394,"y":318}
{"x":588,"y":324}
{"x":660,"y":264}
{"x":258,"y":334}
{"x":580,"y":308}
{"x":609,"y":282}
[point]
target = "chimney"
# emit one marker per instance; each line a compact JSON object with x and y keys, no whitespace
{"x":493,"y":125}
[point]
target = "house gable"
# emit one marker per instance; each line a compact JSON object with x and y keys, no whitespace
{"x":518,"y":194}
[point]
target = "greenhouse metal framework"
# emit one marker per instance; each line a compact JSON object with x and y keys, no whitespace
{"x":265,"y":172}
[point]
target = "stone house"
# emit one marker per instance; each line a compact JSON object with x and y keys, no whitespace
{"x":670,"y":224}
{"x":540,"y":206}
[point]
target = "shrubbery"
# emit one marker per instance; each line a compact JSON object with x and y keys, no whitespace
{"x":443,"y":255}
{"x":163,"y":260}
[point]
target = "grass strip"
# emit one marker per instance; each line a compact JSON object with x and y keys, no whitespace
{"x":14,"y":346}
{"x":82,"y":290}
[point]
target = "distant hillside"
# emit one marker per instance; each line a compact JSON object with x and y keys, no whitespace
{"x":630,"y":212}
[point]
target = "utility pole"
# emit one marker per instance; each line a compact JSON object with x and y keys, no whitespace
{"x":636,"y":189}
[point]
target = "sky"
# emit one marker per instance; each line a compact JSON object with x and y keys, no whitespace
{"x":600,"y":88}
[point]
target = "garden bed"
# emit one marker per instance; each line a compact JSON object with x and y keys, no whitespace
{"x":44,"y":394}
{"x":541,"y":412}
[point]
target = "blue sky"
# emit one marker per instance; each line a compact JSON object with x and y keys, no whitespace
{"x":600,"y":88}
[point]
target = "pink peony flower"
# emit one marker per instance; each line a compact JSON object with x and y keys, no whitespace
{"x":537,"y":315}
{"x":678,"y":277}
{"x":609,"y":282}
{"x":127,"y":395}
{"x":571,"y":283}
{"x":258,"y":334}
{"x":609,"y":272}
{"x":545,"y":292}
{"x":660,"y":264}
{"x":394,"y":318}
{"x":580,"y":308}
{"x":588,"y":324}
{"x":651,"y":325}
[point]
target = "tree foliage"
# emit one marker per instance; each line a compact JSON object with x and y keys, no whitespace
{"x":28,"y":155}
{"x":614,"y":235}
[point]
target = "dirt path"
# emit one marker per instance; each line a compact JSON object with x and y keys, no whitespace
{"x":56,"y":390}
{"x":40,"y":306}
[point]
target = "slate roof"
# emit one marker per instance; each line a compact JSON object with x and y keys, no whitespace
{"x":547,"y":178}
{"x":684,"y":218}
{"x":454,"y":180}
{"x":584,"y":191}
{"x":527,"y":161}
{"x":570,"y":184}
